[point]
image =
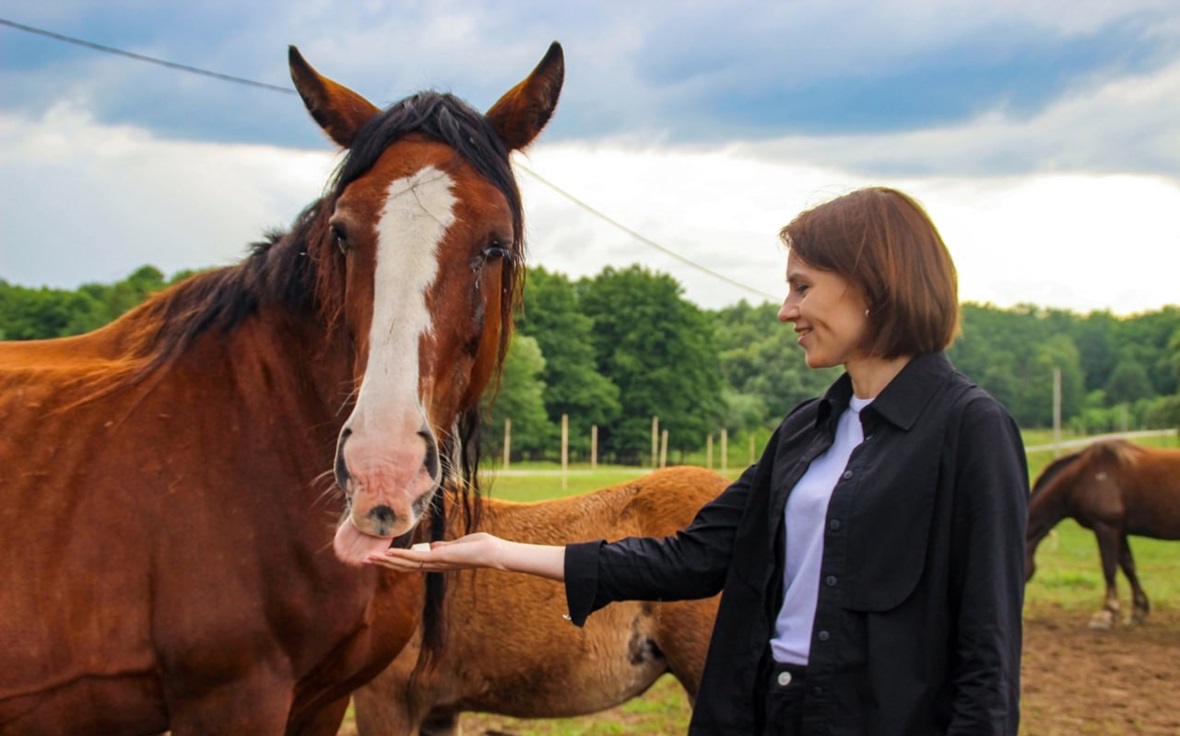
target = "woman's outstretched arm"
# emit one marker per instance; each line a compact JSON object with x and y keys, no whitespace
{"x":476,"y":550}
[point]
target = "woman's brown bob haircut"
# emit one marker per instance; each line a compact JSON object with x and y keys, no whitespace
{"x":885,"y":244}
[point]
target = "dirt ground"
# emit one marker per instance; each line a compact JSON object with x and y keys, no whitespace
{"x":1076,"y":681}
{"x":1080,"y":681}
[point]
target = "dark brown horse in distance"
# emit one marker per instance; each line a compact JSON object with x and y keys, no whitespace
{"x":508,"y":649}
{"x":1116,"y":489}
{"x":174,"y":554}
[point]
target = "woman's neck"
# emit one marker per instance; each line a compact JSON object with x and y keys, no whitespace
{"x":870,"y":376}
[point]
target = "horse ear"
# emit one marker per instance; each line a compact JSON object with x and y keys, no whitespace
{"x":338,"y":110}
{"x":525,"y":109}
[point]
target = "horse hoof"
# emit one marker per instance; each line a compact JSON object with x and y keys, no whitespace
{"x":1102,"y":621}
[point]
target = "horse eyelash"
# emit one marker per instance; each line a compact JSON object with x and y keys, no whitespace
{"x":494,"y":251}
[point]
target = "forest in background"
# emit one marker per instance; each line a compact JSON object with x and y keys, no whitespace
{"x":618,"y":348}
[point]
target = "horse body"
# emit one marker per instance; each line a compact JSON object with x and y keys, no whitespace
{"x":176,"y":555}
{"x":509,"y":650}
{"x":1116,"y":489}
{"x":156,"y":574}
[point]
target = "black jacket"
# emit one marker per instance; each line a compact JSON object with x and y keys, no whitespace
{"x":918,"y":621}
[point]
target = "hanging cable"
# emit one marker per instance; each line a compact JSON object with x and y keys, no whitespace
{"x":147,"y":59}
{"x":642,"y":238}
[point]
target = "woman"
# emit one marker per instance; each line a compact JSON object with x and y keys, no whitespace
{"x":871,"y":562}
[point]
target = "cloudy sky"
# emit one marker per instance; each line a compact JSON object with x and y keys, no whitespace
{"x":1043,"y":137}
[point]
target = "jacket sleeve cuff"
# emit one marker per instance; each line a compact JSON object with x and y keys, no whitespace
{"x":581,"y":579}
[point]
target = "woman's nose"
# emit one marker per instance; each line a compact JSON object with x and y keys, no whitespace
{"x":787,"y":312}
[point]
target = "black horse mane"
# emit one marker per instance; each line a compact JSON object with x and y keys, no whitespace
{"x":445,"y":118}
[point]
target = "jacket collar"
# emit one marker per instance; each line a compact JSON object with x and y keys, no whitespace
{"x":902,"y":401}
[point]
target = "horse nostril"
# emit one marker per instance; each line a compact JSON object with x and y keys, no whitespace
{"x":383,"y":515}
{"x":431,"y":461}
{"x":341,"y":469}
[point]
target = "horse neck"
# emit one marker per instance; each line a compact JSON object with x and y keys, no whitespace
{"x":262,"y":320}
{"x":1048,"y":506}
{"x":313,"y":357}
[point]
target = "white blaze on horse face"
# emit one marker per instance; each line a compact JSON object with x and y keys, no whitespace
{"x":385,"y":452}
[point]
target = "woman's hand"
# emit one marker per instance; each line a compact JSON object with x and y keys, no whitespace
{"x":476,"y":550}
{"x":473,"y":550}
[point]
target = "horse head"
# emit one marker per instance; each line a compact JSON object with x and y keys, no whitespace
{"x":420,"y":260}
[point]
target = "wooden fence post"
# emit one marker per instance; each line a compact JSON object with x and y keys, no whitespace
{"x":565,"y":450}
{"x":593,"y":446}
{"x":507,"y":441}
{"x":655,"y":442}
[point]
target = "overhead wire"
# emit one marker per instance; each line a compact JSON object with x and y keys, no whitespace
{"x":639,"y":236}
{"x":141,"y":57}
{"x":287,"y":90}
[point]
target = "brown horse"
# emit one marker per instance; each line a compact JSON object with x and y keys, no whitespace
{"x":1116,"y":489}
{"x":172,"y":553}
{"x":509,"y":650}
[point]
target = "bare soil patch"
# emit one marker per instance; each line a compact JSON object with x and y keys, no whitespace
{"x":1076,"y":681}
{"x":1080,"y":681}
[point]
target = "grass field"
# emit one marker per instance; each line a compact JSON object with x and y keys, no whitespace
{"x":1068,"y":580}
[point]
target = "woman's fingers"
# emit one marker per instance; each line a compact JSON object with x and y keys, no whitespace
{"x":465,"y":552}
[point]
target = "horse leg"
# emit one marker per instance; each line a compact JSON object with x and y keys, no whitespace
{"x":382,"y":705}
{"x":683,"y":636}
{"x":1140,"y":605}
{"x":1108,"y":545}
{"x":259,"y":703}
{"x":324,"y":721}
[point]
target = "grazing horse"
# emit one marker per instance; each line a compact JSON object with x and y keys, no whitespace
{"x":174,"y":554}
{"x":1116,"y":489}
{"x":509,"y":650}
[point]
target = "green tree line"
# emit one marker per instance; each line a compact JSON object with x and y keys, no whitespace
{"x":613,"y":350}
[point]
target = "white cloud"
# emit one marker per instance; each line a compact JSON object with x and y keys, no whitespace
{"x":1129,"y":124}
{"x":1080,"y":242}
{"x":84,"y":202}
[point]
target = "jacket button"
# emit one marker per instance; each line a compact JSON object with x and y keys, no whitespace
{"x":824,"y":636}
{"x":834,"y":525}
{"x":830,"y":581}
{"x":847,"y":474}
{"x":784,"y":679}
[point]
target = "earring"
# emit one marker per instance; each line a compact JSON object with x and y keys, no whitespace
{"x":866,"y":313}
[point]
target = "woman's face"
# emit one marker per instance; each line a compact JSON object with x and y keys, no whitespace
{"x":828,"y":313}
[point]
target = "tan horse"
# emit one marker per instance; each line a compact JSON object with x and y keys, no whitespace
{"x":508,"y":648}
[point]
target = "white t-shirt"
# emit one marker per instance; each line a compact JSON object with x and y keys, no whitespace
{"x":806,"y":512}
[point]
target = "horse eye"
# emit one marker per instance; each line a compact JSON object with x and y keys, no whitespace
{"x":495,"y":251}
{"x":340,"y":239}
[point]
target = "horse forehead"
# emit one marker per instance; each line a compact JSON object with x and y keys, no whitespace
{"x":406,"y":158}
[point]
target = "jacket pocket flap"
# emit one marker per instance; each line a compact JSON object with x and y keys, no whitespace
{"x":888,"y":536}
